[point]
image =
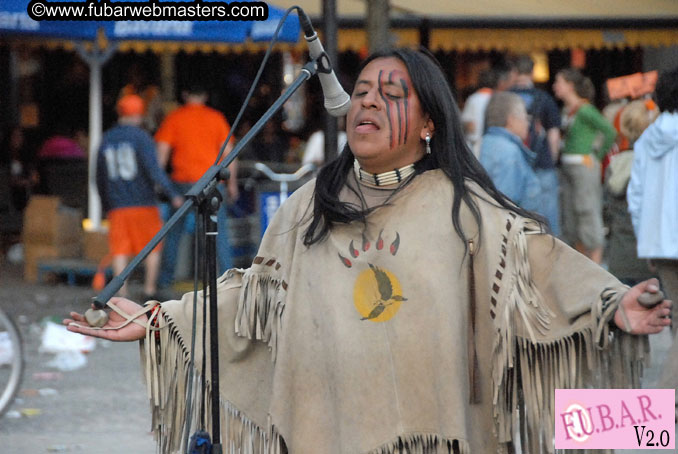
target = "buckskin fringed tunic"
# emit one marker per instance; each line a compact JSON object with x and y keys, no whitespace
{"x":378,"y":339}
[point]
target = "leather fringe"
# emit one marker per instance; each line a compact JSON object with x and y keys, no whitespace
{"x":526,"y":372}
{"x":423,"y":444}
{"x":167,"y":370}
{"x":474,"y":368}
{"x":260,"y":309}
{"x":524,"y":301}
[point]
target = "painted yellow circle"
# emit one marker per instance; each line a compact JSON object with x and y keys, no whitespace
{"x":368,"y":299}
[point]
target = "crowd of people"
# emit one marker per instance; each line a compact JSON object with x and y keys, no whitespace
{"x":569,"y":164}
{"x":594,"y":178}
{"x":147,"y":160}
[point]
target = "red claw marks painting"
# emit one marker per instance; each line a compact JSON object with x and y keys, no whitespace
{"x":377,"y":293}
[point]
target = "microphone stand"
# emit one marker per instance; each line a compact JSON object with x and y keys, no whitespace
{"x":204,"y":194}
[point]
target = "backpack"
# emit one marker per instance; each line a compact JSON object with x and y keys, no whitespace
{"x":537,"y":139}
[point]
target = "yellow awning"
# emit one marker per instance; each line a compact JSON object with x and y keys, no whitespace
{"x":517,"y":40}
{"x":503,"y":9}
{"x":355,"y":39}
{"x":450,"y":30}
{"x":445,"y":39}
{"x":530,"y":40}
{"x":514,"y":25}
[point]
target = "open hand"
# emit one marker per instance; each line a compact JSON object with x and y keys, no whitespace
{"x":131,"y":332}
{"x":643,"y":320}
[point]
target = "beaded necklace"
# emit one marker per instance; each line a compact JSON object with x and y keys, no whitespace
{"x":382,"y":179}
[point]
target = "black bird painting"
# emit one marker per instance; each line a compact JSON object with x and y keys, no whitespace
{"x":386,"y":296}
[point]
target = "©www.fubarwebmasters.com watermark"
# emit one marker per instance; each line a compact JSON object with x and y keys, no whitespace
{"x":615,"y":419}
{"x":146,"y":10}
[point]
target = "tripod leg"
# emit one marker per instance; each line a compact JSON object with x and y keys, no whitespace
{"x":211,"y":254}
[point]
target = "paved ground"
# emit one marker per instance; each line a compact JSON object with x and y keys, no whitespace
{"x":101,"y":408}
{"x":660,"y":344}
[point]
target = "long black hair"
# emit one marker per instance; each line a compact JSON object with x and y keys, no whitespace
{"x":449,"y":153}
{"x":666,"y":91}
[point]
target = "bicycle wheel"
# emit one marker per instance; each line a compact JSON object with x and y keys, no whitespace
{"x":11,"y":361}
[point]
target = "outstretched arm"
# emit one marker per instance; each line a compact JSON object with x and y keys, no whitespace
{"x":555,"y":267}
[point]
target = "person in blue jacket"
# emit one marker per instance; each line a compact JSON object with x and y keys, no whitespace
{"x":652,"y":193}
{"x":502,"y":153}
{"x":127,"y":173}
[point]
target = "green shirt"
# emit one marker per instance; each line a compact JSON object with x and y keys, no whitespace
{"x":586,"y":126}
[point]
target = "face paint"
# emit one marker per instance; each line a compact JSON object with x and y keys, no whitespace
{"x":385,"y":123}
{"x":400,"y":124}
{"x":388,"y":109}
{"x":396,"y":104}
{"x":401,"y":106}
{"x":406,"y":92}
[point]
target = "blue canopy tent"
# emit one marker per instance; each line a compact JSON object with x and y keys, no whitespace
{"x":15,"y":22}
{"x":235,"y":31}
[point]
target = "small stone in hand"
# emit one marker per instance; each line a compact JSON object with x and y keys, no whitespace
{"x":96,"y":317}
{"x":649,"y":300}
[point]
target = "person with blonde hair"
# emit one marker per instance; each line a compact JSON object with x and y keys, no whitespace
{"x":636,"y":117}
{"x":622,"y":258}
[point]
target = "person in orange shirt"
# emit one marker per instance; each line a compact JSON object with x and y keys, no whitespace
{"x":190,"y":139}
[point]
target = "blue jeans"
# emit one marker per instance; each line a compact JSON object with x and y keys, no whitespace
{"x":171,"y":241}
{"x":549,"y":206}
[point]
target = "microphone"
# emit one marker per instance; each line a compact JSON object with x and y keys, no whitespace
{"x":337,"y":101}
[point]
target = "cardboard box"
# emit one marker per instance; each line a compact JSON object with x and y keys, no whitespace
{"x":34,"y":253}
{"x":96,"y":245}
{"x":48,"y":222}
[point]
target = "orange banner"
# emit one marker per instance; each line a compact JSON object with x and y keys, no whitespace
{"x":632,"y":86}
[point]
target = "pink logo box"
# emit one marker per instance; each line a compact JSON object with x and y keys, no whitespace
{"x":615,"y":419}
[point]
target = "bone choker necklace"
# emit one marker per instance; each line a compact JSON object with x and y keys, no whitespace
{"x":382,"y":179}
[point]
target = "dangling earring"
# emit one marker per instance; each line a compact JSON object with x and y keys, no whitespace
{"x":428,"y":143}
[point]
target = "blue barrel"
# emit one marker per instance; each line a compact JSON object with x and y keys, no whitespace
{"x":269,"y":202}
